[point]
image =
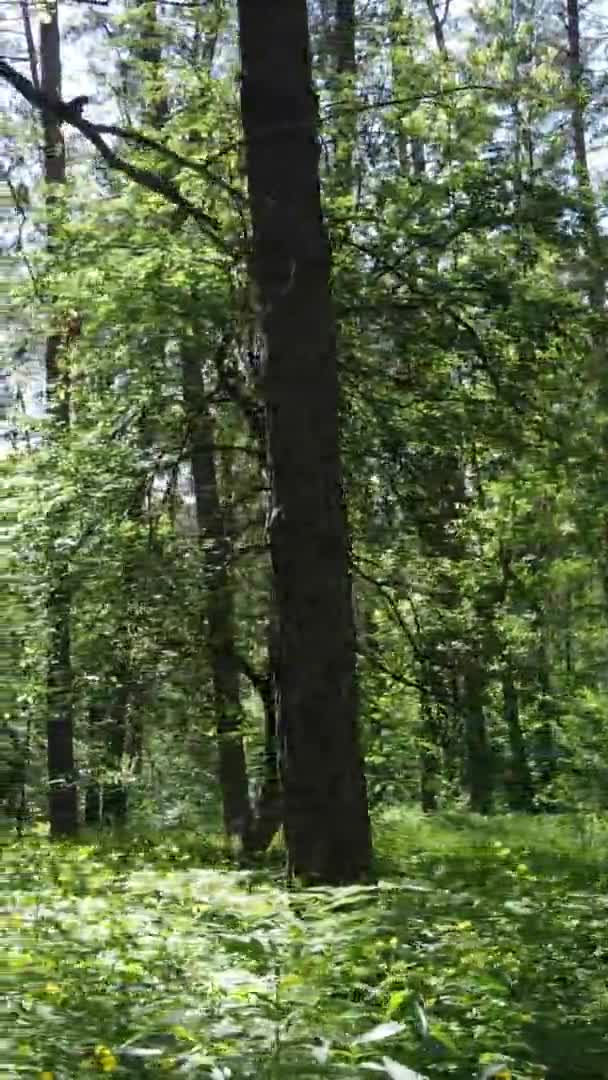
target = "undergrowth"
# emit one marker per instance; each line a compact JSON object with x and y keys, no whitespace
{"x":481,"y":952}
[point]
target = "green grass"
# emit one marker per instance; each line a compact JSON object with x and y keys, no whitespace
{"x":485,"y":941}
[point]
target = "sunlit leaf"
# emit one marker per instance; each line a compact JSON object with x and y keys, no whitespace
{"x":381,"y":1031}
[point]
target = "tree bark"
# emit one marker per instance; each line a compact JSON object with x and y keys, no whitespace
{"x":578,"y":94}
{"x":219,"y":598}
{"x":430,"y":754}
{"x":346,"y":60}
{"x":63,"y":801}
{"x":478,"y":751}
{"x":325,"y":800}
{"x":546,"y":749}
{"x":519,"y":785}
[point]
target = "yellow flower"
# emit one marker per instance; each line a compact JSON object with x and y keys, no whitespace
{"x":106,"y":1061}
{"x":46,"y":1075}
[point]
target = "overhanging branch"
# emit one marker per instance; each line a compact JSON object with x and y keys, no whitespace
{"x":68,"y":114}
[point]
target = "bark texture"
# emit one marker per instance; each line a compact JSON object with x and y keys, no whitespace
{"x":219,"y":599}
{"x":63,"y":803}
{"x":326,"y":816}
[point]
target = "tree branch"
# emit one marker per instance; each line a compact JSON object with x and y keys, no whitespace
{"x":67,"y":114}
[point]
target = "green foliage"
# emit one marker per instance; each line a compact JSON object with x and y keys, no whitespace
{"x":482,"y":943}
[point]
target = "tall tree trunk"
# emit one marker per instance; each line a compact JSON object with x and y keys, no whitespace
{"x":438,"y":33}
{"x":595,"y":252}
{"x":478,"y":751}
{"x":455,"y":676}
{"x":115,"y":799}
{"x":215,"y":546}
{"x":411,"y":152}
{"x":110,"y":800}
{"x":546,"y":747}
{"x":588,"y":207}
{"x":63,"y":801}
{"x":219,"y":598}
{"x":346,"y":71}
{"x":430,"y":754}
{"x":518,"y":779}
{"x":325,"y":800}
{"x":346,"y":61}
{"x":268,"y":816}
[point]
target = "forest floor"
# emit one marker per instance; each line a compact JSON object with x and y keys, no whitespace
{"x":483,"y":951}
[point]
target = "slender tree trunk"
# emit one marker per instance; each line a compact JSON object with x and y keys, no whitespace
{"x":326,"y":816}
{"x":346,"y":60}
{"x":430,"y":755}
{"x":110,"y":800}
{"x":519,"y":786}
{"x":595,"y":251}
{"x":546,"y":749}
{"x":578,"y":94}
{"x":63,"y":801}
{"x":461,"y":682}
{"x":411,"y":152}
{"x":478,"y":752}
{"x":269,"y":803}
{"x":92,"y":795}
{"x":346,"y":71}
{"x":438,"y":33}
{"x":220,"y":600}
{"x":115,"y":799}
{"x":215,"y":546}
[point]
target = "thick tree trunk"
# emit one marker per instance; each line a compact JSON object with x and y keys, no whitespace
{"x":63,"y":801}
{"x":326,"y":817}
{"x":220,"y":601}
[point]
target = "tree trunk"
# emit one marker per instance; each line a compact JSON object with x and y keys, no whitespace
{"x":108,"y":803}
{"x":430,"y":753}
{"x":438,"y":33}
{"x":546,"y":750}
{"x":325,"y":800}
{"x":346,"y":71}
{"x":518,"y":780}
{"x":114,"y":796}
{"x":220,"y":601}
{"x":595,"y":252}
{"x":63,"y":801}
{"x":269,"y":803}
{"x":478,"y":752}
{"x":346,"y":61}
{"x":597,"y":272}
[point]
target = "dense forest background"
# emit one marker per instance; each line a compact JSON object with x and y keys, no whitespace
{"x":305,"y":416}
{"x":464,"y":214}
